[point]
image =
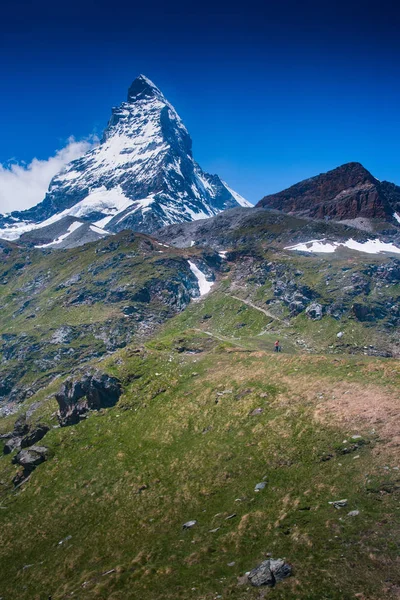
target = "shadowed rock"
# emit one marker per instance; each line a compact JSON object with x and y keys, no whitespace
{"x":92,"y":391}
{"x":34,"y":436}
{"x":13,"y":444}
{"x":30,"y":458}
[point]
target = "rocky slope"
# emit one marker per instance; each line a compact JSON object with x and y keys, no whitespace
{"x":141,"y":176}
{"x":68,"y":307}
{"x":347,"y":193}
{"x":60,"y":309}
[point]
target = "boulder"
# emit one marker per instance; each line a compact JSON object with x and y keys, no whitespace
{"x":34,"y":435}
{"x":269,"y":573}
{"x":92,"y":391}
{"x":12,"y":444}
{"x":30,"y":458}
{"x":314,"y":311}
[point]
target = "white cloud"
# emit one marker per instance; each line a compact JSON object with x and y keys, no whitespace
{"x":23,"y":186}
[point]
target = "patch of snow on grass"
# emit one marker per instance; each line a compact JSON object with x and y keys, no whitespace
{"x":314,"y":246}
{"x":204,"y":285}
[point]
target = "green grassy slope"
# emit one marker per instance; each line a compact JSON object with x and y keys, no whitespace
{"x":183,"y":444}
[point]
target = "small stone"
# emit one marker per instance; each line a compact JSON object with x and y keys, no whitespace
{"x":232,"y":516}
{"x":66,"y":539}
{"x":340,"y":334}
{"x":189,"y":524}
{"x":231,"y":564}
{"x":214,"y":530}
{"x":353,"y":513}
{"x":339,"y":503}
{"x":256,"y":411}
{"x":260,"y":486}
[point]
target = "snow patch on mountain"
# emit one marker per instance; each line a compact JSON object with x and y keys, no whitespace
{"x":369,"y":247}
{"x":239,"y":199}
{"x":204,"y":285}
{"x":73,"y":227}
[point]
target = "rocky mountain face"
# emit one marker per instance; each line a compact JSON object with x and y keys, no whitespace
{"x":141,"y":176}
{"x":348,"y":193}
{"x":61,"y":309}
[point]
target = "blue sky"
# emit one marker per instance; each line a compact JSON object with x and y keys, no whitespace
{"x":270,"y":94}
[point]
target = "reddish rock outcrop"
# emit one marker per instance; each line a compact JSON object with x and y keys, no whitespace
{"x":348,"y":192}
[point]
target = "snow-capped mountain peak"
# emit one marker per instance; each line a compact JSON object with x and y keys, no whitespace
{"x":141,"y":176}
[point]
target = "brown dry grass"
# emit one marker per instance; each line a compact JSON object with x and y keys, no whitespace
{"x":356,"y":407}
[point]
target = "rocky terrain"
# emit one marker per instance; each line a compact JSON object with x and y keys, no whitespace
{"x":63,"y":308}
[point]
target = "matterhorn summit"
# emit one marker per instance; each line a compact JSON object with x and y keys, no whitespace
{"x":142,"y":176}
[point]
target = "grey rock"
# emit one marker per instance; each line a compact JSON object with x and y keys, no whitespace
{"x":280,"y":569}
{"x":66,"y":539}
{"x":260,"y":486}
{"x":256,"y":411}
{"x":339,"y":503}
{"x":92,"y":391}
{"x":314,"y":311}
{"x":269,"y":573}
{"x":353,"y":513}
{"x":34,"y":436}
{"x":31,"y":458}
{"x":21,"y":427}
{"x":63,"y":335}
{"x":189,"y":524}
{"x":13,"y":444}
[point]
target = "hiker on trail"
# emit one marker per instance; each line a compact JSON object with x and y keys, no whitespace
{"x":277,"y":346}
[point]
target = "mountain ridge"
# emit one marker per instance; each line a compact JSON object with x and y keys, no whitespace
{"x":347,"y":192}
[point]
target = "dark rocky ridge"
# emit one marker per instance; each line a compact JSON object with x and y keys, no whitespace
{"x":347,"y":192}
